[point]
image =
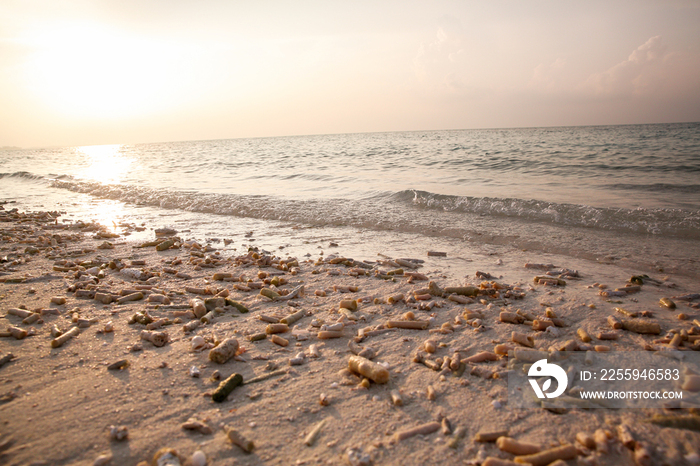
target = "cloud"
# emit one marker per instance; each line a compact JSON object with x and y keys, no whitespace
{"x":439,"y":63}
{"x":548,"y":77}
{"x":642,"y":72}
{"x":655,"y":83}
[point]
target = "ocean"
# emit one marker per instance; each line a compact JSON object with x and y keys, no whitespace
{"x":628,"y":195}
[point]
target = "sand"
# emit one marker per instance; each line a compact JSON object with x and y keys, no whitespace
{"x":59,"y":405}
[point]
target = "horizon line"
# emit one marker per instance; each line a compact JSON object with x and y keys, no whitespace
{"x":8,"y":148}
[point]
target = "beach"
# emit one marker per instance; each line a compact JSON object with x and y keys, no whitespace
{"x":116,"y":392}
{"x":245,"y":233}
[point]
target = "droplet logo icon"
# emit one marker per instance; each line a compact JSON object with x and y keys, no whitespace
{"x":543,"y":369}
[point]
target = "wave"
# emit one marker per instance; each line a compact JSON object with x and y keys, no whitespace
{"x":671,"y":222}
{"x":658,"y":188}
{"x":449,"y":215}
{"x":21,"y":175}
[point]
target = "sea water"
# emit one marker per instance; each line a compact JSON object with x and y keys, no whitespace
{"x":621,"y":194}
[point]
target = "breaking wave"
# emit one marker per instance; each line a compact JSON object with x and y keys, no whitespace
{"x":448,"y":215}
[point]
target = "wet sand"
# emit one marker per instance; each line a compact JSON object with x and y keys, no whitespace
{"x":59,"y":404}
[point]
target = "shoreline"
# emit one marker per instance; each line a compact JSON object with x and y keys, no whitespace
{"x":68,"y":396}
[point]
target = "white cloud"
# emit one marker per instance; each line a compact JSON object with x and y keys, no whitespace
{"x":549,"y":77}
{"x":439,"y":63}
{"x":642,"y":72}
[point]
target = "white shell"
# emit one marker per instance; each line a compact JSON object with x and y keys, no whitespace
{"x":102,"y":460}
{"x":198,"y":458}
{"x":198,"y":342}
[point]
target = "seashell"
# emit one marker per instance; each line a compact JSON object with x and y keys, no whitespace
{"x":198,"y":458}
{"x":357,"y":457}
{"x":121,"y":364}
{"x":166,"y":457}
{"x":198,"y":342}
{"x":199,"y":426}
{"x":118,"y":433}
{"x":102,"y":460}
{"x":323,"y":400}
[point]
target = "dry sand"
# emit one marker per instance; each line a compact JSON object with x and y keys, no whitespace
{"x":57,"y":404}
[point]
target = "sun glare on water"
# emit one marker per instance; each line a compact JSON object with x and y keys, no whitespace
{"x":105,"y":164}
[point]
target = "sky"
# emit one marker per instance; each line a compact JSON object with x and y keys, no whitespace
{"x":118,"y":72}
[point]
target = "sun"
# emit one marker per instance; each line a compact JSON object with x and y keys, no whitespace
{"x":89,"y":70}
